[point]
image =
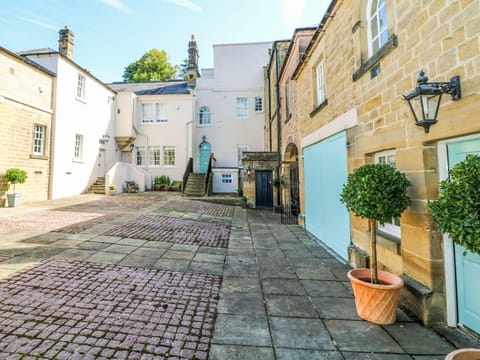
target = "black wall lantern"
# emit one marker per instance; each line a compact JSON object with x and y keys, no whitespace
{"x":424,"y":100}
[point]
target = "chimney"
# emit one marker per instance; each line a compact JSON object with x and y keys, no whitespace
{"x":192,"y":69}
{"x":65,"y":42}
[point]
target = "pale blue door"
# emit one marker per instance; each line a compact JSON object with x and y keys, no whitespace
{"x":205,"y":149}
{"x":325,"y":171}
{"x":467,"y":264}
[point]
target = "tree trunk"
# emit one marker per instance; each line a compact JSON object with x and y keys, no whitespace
{"x":373,"y":251}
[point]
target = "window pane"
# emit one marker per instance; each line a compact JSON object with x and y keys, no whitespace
{"x":226,"y":178}
{"x":242,"y":107}
{"x":204,"y":116}
{"x":147,"y":113}
{"x":77,"y":153}
{"x":169,"y":155}
{"x":161,"y":113}
{"x":140,"y":157}
{"x":154,"y":156}
{"x":320,"y":84}
{"x":38,"y":140}
{"x":258,"y":104}
{"x":81,"y":86}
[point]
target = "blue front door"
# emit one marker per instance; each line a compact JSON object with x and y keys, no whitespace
{"x":467,"y":264}
{"x":325,"y":171}
{"x":205,"y":149}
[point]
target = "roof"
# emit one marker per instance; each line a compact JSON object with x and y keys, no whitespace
{"x":50,"y":52}
{"x":174,"y":87}
{"x":27,"y":61}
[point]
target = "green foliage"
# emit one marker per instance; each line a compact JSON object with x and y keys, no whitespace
{"x":377,"y":192}
{"x":15,"y":176}
{"x":152,"y":66}
{"x":457,"y":210}
{"x":162,"y":180}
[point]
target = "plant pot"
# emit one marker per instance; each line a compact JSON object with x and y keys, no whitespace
{"x":376,"y":303}
{"x":464,"y":354}
{"x":14,"y":199}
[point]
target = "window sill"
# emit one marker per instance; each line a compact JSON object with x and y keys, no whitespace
{"x":318,"y":108}
{"x":78,"y":161}
{"x":38,"y":157}
{"x":204,"y":125}
{"x":375,"y":58}
{"x":389,"y":241}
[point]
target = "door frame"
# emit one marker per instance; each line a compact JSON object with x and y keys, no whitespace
{"x":449,"y":255}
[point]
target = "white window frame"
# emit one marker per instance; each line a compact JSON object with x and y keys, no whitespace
{"x":154,"y":156}
{"x":320,"y":83}
{"x":161,"y":113}
{"x":147,"y":113}
{"x":169,"y":156}
{"x":140,"y":156}
{"x":39,"y":135}
{"x":242,"y":107}
{"x":227,"y":179}
{"x":78,"y":148}
{"x":379,"y":9}
{"x":391,"y":228}
{"x":258,"y":104}
{"x":204,"y":116}
{"x":81,"y":81}
{"x":240,"y":150}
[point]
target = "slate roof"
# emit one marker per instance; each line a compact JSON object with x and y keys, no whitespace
{"x":153,"y":88}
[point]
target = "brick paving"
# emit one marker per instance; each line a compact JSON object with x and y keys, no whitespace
{"x":68,"y":309}
{"x":200,"y":207}
{"x":47,"y":220}
{"x":180,"y":231}
{"x":121,"y":202}
{"x":85,"y":225}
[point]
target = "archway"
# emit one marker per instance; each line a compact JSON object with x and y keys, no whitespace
{"x":290,"y":191}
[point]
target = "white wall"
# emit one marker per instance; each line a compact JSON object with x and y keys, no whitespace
{"x":219,"y":187}
{"x":175,"y":132}
{"x":91,"y":117}
{"x":238,"y":72}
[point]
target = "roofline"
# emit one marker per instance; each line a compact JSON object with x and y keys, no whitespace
{"x":251,"y":43}
{"x":320,"y":28}
{"x":28,"y":62}
{"x":292,"y":45}
{"x":274,"y":49}
{"x":39,"y":54}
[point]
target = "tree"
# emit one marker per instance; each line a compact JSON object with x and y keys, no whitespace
{"x":152,"y":66}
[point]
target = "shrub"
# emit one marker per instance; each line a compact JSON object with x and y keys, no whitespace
{"x":15,"y":176}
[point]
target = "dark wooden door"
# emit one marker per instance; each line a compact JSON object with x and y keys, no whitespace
{"x":263,"y":189}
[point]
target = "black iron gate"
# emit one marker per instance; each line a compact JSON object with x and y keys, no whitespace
{"x":291,"y":196}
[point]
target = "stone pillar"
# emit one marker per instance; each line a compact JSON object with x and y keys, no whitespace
{"x":65,"y":42}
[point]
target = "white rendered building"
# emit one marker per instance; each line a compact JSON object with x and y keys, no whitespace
{"x":229,"y":111}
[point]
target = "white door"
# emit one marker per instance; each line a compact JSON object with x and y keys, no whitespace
{"x":101,"y":163}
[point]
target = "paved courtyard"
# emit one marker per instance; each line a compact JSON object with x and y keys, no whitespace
{"x":154,"y":275}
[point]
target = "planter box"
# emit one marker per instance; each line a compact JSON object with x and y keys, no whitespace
{"x":14,"y":199}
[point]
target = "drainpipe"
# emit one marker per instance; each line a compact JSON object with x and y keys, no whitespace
{"x":279,"y":135}
{"x":269,"y":89}
{"x":52,"y":139}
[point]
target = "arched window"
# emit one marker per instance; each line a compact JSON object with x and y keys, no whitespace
{"x":204,"y":116}
{"x":377,"y":25}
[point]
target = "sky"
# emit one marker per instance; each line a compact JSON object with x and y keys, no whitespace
{"x":110,"y":34}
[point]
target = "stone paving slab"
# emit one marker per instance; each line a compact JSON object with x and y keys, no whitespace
{"x":163,"y":228}
{"x":64,"y":308}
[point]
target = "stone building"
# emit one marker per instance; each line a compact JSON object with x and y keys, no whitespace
{"x":362,"y":58}
{"x":26,"y":91}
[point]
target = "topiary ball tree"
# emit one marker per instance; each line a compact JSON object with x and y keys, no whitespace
{"x":15,"y":176}
{"x":377,"y":192}
{"x":457,"y":210}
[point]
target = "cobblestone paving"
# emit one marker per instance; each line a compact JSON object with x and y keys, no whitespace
{"x":200,"y":207}
{"x":72,"y":310}
{"x":163,"y":228}
{"x":47,"y":220}
{"x":84,"y":225}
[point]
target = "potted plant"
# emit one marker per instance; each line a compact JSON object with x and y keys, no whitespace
{"x":113,"y":189}
{"x":456,"y":210}
{"x":377,"y":192}
{"x":15,"y":176}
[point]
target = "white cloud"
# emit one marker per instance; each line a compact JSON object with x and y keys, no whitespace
{"x":39,"y":23}
{"x":292,"y":12}
{"x":117,"y":4}
{"x":185,"y":3}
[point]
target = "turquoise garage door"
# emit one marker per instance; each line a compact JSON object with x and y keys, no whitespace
{"x":467,"y":264}
{"x":325,"y":172}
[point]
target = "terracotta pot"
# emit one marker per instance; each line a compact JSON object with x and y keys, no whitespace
{"x":376,"y":303}
{"x":464,"y":354}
